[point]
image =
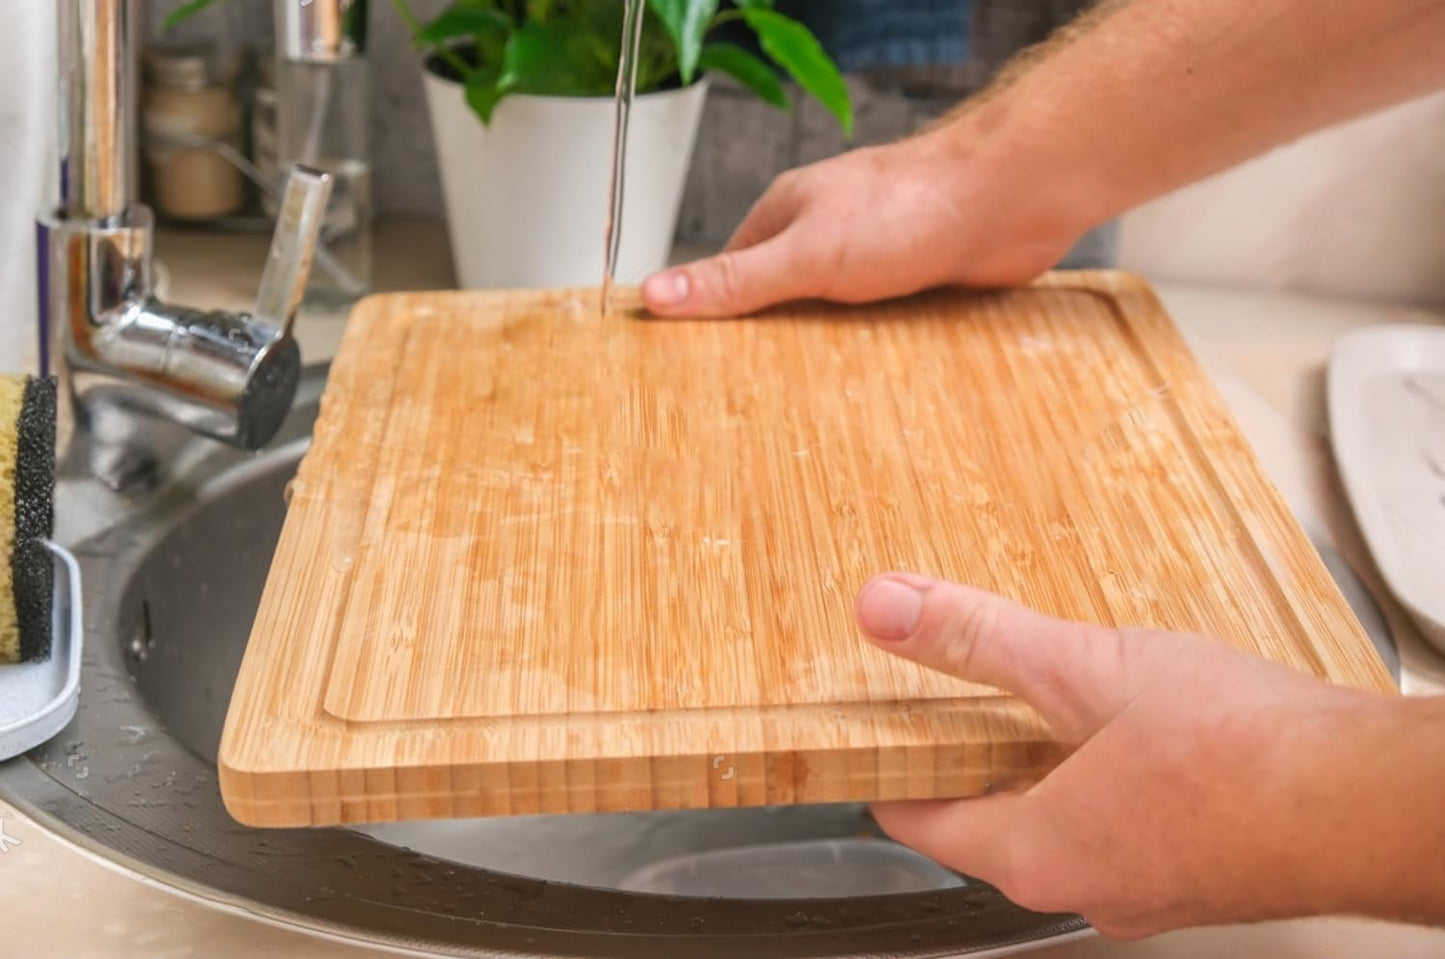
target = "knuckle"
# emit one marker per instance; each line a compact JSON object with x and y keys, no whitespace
{"x":787,"y":182}
{"x":967,"y":638}
{"x":727,"y":281}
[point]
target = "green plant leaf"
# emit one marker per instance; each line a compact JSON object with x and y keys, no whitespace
{"x":753,"y":73}
{"x":186,"y":10}
{"x":483,"y":93}
{"x":687,"y":21}
{"x":464,"y":21}
{"x":798,"y":52}
{"x":554,"y":59}
{"x":754,"y":4}
{"x":601,"y":20}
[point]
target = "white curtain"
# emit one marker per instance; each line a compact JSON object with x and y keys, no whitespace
{"x":27,"y":144}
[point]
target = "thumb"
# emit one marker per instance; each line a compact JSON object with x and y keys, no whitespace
{"x":1074,"y":674}
{"x":729,"y":284}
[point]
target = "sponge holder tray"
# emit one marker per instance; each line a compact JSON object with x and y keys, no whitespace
{"x":38,"y":699}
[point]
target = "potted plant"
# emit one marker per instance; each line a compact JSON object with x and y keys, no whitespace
{"x":520,"y":94}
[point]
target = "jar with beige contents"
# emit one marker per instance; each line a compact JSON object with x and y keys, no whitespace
{"x":187,"y":114}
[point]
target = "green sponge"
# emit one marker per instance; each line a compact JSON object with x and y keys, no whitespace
{"x":27,"y":517}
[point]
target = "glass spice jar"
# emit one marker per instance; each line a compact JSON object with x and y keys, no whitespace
{"x":185,"y":113}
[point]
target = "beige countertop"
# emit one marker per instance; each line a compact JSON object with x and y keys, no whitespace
{"x":1265,"y":351}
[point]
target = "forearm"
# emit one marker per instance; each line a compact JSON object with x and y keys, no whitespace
{"x":1145,"y":96}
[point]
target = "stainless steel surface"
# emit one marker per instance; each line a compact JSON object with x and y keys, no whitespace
{"x":288,"y":262}
{"x":98,"y":95}
{"x":173,"y":577}
{"x":320,"y":31}
{"x":115,"y":346}
{"x":38,"y":699}
{"x":223,"y":375}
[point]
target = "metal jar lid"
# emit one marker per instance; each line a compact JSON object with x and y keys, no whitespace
{"x":321,"y":31}
{"x":181,"y":66}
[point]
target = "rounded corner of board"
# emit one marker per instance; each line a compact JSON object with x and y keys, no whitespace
{"x":239,"y":795}
{"x":235,"y":789}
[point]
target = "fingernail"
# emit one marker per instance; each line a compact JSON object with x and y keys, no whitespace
{"x":889,"y":609}
{"x":667,"y":289}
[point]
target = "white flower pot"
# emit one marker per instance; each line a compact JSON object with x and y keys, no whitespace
{"x":527,"y":196}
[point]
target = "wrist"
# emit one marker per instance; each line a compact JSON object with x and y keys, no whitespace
{"x":1396,"y":789}
{"x":1370,"y":807}
{"x":1005,"y":154}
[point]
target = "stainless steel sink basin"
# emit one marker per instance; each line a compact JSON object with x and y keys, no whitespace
{"x":172,"y":580}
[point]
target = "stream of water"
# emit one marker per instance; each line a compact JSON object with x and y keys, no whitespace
{"x":626,"y":90}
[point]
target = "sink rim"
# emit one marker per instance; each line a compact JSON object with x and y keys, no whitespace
{"x":354,"y":887}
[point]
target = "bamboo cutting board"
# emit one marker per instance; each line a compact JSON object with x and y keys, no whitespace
{"x":541,"y":561}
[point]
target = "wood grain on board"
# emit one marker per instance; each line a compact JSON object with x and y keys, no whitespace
{"x":541,"y":561}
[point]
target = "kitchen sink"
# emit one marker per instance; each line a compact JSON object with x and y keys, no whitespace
{"x":172,"y":578}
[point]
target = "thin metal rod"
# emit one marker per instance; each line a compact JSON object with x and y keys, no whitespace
{"x":626,"y":89}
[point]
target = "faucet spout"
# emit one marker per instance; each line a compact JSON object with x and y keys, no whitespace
{"x":229,"y":376}
{"x":226,"y":376}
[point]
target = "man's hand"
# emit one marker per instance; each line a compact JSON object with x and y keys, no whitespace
{"x":1208,"y":785}
{"x":876,"y":223}
{"x":1134,"y":100}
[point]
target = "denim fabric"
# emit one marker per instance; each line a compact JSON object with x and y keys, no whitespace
{"x":1001,"y":28}
{"x":869,"y":34}
{"x":880,"y":34}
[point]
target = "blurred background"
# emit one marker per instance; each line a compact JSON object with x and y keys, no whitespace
{"x":1353,"y":212}
{"x":1357,"y":211}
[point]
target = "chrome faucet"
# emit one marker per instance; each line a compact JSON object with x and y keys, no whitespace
{"x":114,"y":345}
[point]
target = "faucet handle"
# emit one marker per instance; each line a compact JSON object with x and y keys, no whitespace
{"x":293,"y":246}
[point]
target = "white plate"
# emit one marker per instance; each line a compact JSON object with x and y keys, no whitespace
{"x":38,"y":699}
{"x":1387,"y":423}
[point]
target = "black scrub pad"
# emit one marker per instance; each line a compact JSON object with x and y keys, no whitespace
{"x":27,"y":466}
